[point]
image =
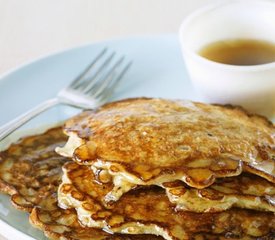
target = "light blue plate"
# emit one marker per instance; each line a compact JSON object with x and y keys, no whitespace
{"x":157,"y":71}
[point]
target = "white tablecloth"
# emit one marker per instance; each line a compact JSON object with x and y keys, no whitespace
{"x":31,"y":28}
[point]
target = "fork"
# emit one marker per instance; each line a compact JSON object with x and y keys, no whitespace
{"x":83,"y":92}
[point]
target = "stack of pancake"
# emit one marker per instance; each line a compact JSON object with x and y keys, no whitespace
{"x":171,"y":168}
{"x":30,"y":171}
{"x":147,"y":169}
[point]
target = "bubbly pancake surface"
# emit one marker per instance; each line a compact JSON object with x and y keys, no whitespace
{"x":151,"y":141}
{"x":148,"y":210}
{"x":30,"y":171}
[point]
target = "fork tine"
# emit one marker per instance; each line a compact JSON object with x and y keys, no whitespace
{"x":113,"y":83}
{"x":105,"y":80}
{"x":89,"y":83}
{"x":87,"y":69}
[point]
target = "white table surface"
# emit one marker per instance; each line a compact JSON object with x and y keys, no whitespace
{"x":31,"y":28}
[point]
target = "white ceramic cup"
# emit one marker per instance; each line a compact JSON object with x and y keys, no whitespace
{"x":252,"y":87}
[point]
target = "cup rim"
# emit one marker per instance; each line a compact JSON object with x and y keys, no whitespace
{"x":198,"y":57}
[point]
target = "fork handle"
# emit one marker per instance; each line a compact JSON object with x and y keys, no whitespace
{"x":11,"y":126}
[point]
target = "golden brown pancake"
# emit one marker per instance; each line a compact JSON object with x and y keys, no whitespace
{"x":243,"y":191}
{"x":30,"y":171}
{"x":60,"y":224}
{"x":151,"y":141}
{"x":47,"y":222}
{"x":149,"y":210}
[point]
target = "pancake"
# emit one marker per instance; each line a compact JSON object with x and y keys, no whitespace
{"x":243,"y":191}
{"x":148,"y":210}
{"x":151,"y":141}
{"x":60,"y":224}
{"x":46,"y":221}
{"x":30,"y":171}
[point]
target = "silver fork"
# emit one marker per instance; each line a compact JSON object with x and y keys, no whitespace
{"x":82,"y":92}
